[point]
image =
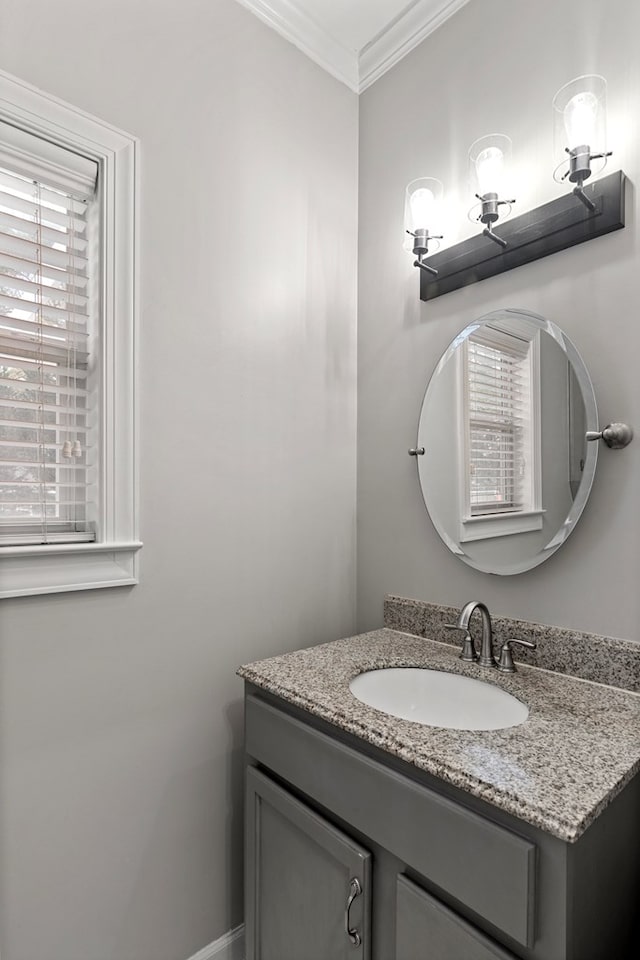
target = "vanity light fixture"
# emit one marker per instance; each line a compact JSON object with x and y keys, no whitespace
{"x":489,"y":159}
{"x":579,"y":110}
{"x":580,"y":145}
{"x":422,"y":214}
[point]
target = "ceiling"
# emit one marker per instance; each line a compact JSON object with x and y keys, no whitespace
{"x":355,"y":40}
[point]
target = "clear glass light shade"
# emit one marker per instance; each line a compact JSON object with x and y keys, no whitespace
{"x":422,"y":209}
{"x":489,"y":161}
{"x":580,"y":120}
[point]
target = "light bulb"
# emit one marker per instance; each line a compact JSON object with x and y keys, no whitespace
{"x":422,"y":214}
{"x":580,"y":119}
{"x":421,"y":202}
{"x":490,"y":170}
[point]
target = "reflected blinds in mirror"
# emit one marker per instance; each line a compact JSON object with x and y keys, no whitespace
{"x":46,"y":423}
{"x":498,"y":423}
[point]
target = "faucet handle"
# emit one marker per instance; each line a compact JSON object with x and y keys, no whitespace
{"x":468,"y":652}
{"x":505,"y":663}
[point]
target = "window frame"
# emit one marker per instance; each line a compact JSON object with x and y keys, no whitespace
{"x":502,"y":523}
{"x":112,"y":560}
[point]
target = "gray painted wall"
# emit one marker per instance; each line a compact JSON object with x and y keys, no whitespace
{"x":419,"y":120}
{"x":120,"y":715}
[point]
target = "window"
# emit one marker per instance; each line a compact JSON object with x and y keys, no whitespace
{"x":48,"y":440}
{"x":68,"y":517}
{"x":501,"y":435}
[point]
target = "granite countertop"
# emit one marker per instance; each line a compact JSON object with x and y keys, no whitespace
{"x":558,"y":770}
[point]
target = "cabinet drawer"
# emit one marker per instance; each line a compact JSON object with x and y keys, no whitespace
{"x":426,"y":928}
{"x":487,"y":868}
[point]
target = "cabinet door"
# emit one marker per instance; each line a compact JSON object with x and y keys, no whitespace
{"x":427,"y":930}
{"x":300,"y":879}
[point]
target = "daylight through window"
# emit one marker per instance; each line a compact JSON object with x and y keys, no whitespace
{"x":499,"y":424}
{"x":48,"y":445}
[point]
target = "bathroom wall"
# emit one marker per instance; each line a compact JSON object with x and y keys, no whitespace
{"x":494,"y":67}
{"x":120,"y":714}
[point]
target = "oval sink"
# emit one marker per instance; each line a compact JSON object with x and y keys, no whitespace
{"x":438,"y":699}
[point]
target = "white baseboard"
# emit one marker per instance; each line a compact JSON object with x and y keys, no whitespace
{"x":229,"y":947}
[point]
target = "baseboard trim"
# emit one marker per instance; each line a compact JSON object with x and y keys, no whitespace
{"x":228,"y":947}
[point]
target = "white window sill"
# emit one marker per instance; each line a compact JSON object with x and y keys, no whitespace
{"x":58,"y":568}
{"x":500,"y":525}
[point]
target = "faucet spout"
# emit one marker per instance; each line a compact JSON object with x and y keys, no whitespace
{"x":486,"y":658}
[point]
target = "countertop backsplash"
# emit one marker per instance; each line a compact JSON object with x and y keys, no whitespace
{"x":584,"y":655}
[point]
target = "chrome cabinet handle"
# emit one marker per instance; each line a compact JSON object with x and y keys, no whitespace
{"x":354,"y":891}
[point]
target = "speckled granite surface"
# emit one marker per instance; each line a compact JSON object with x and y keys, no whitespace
{"x":585,"y":655}
{"x":558,"y":770}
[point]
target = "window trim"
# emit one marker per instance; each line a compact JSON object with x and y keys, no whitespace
{"x":113,"y":559}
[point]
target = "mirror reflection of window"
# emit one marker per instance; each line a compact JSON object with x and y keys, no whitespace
{"x":500,"y":430}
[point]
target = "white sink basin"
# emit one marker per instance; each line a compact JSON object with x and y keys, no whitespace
{"x":439,"y":699}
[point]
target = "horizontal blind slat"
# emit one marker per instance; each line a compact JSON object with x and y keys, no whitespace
{"x":31,"y":425}
{"x":31,"y":290}
{"x":35,"y":483}
{"x":34,"y":212}
{"x":48,"y":445}
{"x":47,"y":506}
{"x":23,"y":353}
{"x":18,"y":403}
{"x":49,"y":368}
{"x":44,"y":336}
{"x":46,"y":311}
{"x":52,"y":277}
{"x":54,"y":465}
{"x":41,"y":235}
{"x":46,"y":388}
{"x":32,"y":249}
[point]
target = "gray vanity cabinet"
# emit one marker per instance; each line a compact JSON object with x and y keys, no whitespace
{"x":444,"y":875}
{"x":308,"y":889}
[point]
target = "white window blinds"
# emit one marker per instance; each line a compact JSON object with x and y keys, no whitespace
{"x":47,"y":441}
{"x":498,"y":424}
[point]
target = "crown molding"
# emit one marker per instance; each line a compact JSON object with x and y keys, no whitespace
{"x":296,"y":27}
{"x":401,"y":36}
{"x":357,"y":70}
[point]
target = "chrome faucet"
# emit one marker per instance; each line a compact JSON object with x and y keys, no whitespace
{"x":486,"y":658}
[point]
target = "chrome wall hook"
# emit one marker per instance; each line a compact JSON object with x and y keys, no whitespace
{"x":615,"y":435}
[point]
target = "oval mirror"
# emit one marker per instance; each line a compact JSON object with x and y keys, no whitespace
{"x":507,"y":470}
